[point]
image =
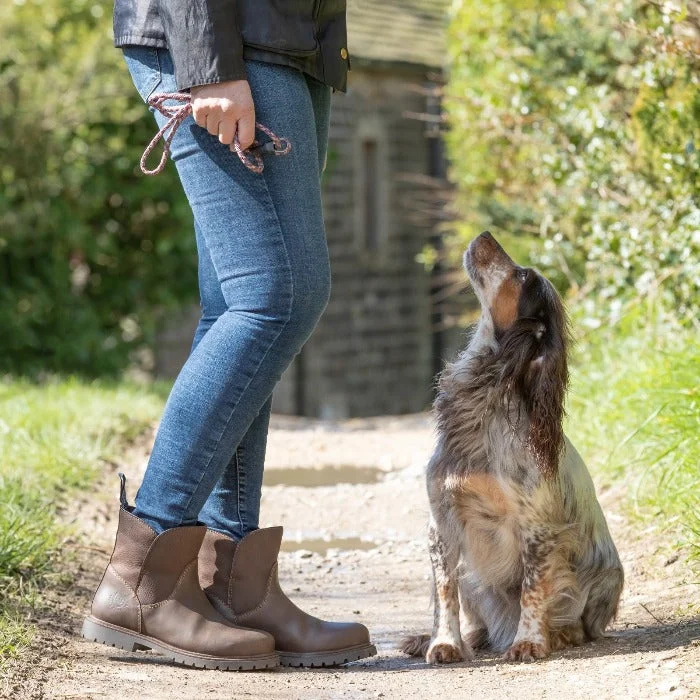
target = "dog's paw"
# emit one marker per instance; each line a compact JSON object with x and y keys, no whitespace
{"x":443,"y":652}
{"x":526,"y":651}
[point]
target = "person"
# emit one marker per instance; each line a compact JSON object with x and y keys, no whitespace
{"x":192,"y":576}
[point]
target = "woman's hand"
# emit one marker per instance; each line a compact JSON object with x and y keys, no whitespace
{"x":224,"y":109}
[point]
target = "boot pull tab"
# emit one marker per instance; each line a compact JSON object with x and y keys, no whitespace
{"x":122,"y":491}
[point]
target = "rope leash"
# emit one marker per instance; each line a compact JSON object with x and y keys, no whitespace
{"x":250,"y":157}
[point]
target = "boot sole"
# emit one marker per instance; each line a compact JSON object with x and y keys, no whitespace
{"x":102,"y":632}
{"x":324,"y":659}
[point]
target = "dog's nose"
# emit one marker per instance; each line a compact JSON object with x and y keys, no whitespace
{"x":486,"y":250}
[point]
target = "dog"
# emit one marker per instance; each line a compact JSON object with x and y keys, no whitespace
{"x":518,"y":542}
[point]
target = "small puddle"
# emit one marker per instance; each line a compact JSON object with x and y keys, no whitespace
{"x":321,"y":546}
{"x":326,"y":476}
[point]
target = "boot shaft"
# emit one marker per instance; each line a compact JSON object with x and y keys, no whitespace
{"x":150,"y":564}
{"x":237,"y":573}
{"x":131,"y":546}
{"x":145,"y":567}
{"x":242,"y":583}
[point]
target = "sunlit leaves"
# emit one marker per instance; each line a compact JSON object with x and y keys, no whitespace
{"x":579,"y":123}
{"x":78,"y":223}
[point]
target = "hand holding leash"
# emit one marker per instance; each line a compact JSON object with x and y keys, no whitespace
{"x":250,"y":157}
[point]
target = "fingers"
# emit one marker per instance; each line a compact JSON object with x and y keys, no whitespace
{"x":199,"y":112}
{"x":227,"y":130}
{"x":226,"y":123}
{"x":212,"y":122}
{"x":224,"y":110}
{"x":246,"y":130}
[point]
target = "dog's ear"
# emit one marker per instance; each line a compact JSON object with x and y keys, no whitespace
{"x":533,"y":358}
{"x":544,"y":394}
{"x":546,"y":387}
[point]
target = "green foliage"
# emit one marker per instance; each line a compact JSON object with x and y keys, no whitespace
{"x":579,"y":123}
{"x":575,"y":137}
{"x":634,"y":413}
{"x":91,"y":251}
{"x":52,"y":439}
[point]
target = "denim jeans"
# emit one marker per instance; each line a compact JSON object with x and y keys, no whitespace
{"x":264,"y":280}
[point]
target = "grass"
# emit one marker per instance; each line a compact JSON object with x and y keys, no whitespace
{"x":634,"y":412}
{"x":53,"y":438}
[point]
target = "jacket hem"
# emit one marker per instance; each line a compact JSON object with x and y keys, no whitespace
{"x":137,"y":40}
{"x":211,"y":81}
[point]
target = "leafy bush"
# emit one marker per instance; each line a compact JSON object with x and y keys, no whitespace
{"x":579,"y":123}
{"x":91,"y":251}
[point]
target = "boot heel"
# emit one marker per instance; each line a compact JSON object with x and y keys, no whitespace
{"x":95,"y":632}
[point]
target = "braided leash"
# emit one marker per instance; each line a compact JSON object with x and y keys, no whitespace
{"x":250,"y":157}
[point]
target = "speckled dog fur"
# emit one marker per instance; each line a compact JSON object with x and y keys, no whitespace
{"x":518,"y":543}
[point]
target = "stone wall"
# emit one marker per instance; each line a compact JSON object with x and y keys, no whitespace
{"x":371,"y":353}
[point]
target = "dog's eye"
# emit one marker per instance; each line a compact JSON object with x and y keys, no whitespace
{"x":521,"y":274}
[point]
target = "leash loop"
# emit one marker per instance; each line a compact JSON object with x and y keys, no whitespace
{"x":250,"y":157}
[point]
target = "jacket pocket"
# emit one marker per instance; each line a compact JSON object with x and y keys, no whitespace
{"x":144,"y":65}
{"x":281,"y":26}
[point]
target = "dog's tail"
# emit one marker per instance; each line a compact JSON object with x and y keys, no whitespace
{"x":603,"y":599}
{"x":415,"y":645}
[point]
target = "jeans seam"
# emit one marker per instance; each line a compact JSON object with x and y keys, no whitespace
{"x":237,"y":458}
{"x":288,"y":317}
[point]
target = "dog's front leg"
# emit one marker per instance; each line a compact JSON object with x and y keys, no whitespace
{"x":532,"y":638}
{"x":446,"y":643}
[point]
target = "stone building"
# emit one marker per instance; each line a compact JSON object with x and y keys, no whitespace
{"x":374,"y":351}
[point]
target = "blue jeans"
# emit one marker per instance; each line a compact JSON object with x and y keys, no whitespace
{"x":264,"y":280}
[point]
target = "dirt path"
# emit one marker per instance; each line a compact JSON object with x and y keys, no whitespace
{"x":356,"y":550}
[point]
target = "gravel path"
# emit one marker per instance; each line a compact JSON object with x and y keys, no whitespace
{"x":352,"y":500}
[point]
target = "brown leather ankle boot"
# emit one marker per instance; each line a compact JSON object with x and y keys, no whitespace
{"x":241,"y":582}
{"x":150,"y":598}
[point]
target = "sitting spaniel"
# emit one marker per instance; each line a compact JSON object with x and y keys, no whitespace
{"x":518,"y":542}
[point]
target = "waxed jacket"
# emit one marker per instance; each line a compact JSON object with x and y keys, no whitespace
{"x":210,"y":40}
